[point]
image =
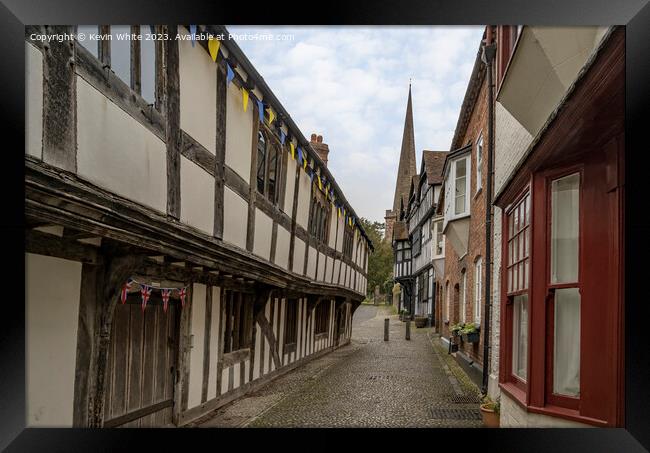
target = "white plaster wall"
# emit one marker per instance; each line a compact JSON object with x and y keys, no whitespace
{"x":235,"y":218}
{"x":224,"y":380}
{"x":282,"y":247}
{"x":298,"y":255}
{"x":247,"y":368}
{"x":52,"y":287}
{"x":239,"y":133}
{"x":290,"y":186}
{"x":514,"y":416}
{"x":198,"y":92}
{"x":263,"y":233}
{"x":267,"y":348}
{"x":321,"y":266}
{"x":235,"y":376}
{"x":339,"y":239}
{"x":304,"y":193}
{"x":196,"y":353}
{"x":332,"y":234}
{"x":311,"y":263}
{"x":197,"y":197}
{"x":511,"y":140}
{"x":328,"y":270}
{"x":258,"y":353}
{"x":116,"y":152}
{"x":33,"y":101}
{"x":214,"y":341}
{"x":337,"y":270}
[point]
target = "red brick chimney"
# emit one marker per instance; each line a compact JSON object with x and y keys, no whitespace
{"x":321,"y":148}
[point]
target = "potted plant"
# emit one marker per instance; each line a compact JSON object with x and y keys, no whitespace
{"x":470,"y":333}
{"x":490,"y":411}
{"x":421,"y":321}
{"x":456,"y":328}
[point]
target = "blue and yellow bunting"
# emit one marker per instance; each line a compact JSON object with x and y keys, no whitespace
{"x":229,"y":74}
{"x":260,"y":110}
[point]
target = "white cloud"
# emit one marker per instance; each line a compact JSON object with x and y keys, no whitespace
{"x":350,"y":84}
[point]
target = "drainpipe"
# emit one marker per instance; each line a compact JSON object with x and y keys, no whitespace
{"x":489,"y":51}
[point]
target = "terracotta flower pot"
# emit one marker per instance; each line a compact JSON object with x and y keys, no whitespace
{"x":490,"y":417}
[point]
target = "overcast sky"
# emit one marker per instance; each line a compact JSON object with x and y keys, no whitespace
{"x":350,"y":84}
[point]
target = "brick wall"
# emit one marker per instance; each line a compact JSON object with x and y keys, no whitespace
{"x":454,"y":265}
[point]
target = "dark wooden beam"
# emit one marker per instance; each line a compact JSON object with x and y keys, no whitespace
{"x":51,"y":245}
{"x":220,"y":152}
{"x":59,"y":101}
{"x":173,"y":130}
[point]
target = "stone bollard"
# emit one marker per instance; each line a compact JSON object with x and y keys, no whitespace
{"x":386,"y":329}
{"x":408,"y":329}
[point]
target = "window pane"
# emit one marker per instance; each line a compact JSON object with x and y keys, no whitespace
{"x":509,"y":279}
{"x":273,"y":162}
{"x":520,"y":336}
{"x":147,"y":64}
{"x":91,"y":44}
{"x":121,"y":52}
{"x":461,"y":168}
{"x":261,"y":162}
{"x":564,"y":229}
{"x":566,"y":351}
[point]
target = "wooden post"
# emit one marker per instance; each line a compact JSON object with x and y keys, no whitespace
{"x":408,"y":329}
{"x":386,"y":320}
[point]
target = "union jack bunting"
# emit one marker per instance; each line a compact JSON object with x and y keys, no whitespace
{"x":165,"y":292}
{"x":125,"y":289}
{"x":146,"y":293}
{"x":182,"y":293}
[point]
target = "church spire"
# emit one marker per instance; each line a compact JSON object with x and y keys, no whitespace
{"x":406,"y":169}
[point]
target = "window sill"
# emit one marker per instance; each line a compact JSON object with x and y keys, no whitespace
{"x":321,"y":335}
{"x":519,"y":397}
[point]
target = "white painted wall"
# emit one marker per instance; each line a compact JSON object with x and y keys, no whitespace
{"x":116,"y":152}
{"x":214,"y":341}
{"x":197,"y":330}
{"x":328,"y":270}
{"x":263,"y":232}
{"x":198,"y":92}
{"x":282,"y":247}
{"x":298,"y":255}
{"x":311,"y":263}
{"x":33,"y":101}
{"x":332,"y":235}
{"x":235,"y":218}
{"x":304,"y":193}
{"x":290,"y":186}
{"x":239,"y":133}
{"x":197,"y":196}
{"x":321,"y":266}
{"x":52,"y":287}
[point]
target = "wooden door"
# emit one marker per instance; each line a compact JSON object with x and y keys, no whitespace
{"x":142,"y":364}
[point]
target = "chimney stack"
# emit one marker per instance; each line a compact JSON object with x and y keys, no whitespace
{"x":321,"y":148}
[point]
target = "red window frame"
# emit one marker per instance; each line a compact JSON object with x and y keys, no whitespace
{"x":565,"y":401}
{"x":513,"y":262}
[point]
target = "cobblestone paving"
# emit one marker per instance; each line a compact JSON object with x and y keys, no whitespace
{"x":369,"y":383}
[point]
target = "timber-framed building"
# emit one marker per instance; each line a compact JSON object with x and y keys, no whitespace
{"x":185,"y":243}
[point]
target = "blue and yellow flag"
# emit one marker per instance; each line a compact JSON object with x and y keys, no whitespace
{"x":213,"y":47}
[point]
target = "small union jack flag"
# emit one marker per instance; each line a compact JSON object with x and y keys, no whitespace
{"x":165,"y":297}
{"x":182,"y":293}
{"x":146,"y":292}
{"x":125,"y":289}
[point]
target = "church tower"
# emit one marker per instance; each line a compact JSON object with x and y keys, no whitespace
{"x":405,"y":170}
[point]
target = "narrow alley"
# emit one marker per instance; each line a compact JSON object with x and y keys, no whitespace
{"x":368,"y":383}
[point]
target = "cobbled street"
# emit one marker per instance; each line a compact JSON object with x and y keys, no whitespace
{"x":368,"y":383}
